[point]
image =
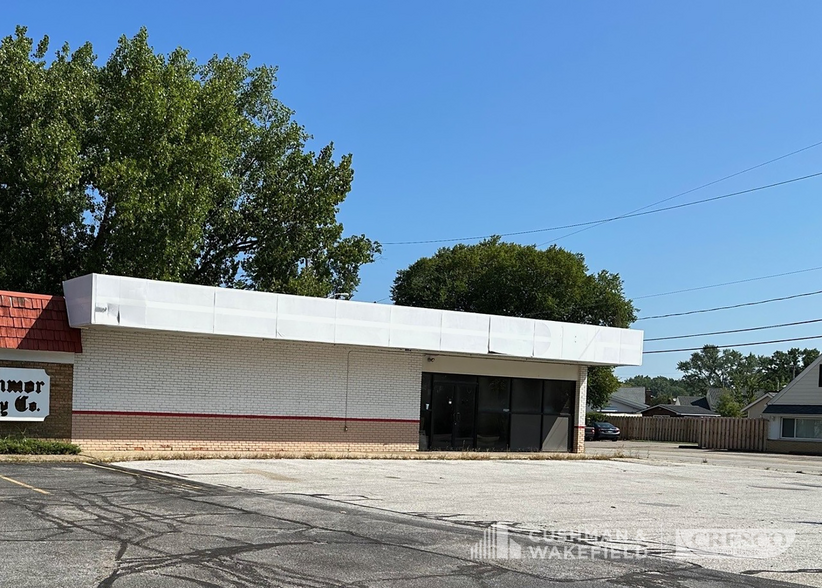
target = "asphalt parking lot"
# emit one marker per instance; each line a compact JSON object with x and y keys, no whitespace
{"x":72,"y":525}
{"x":646,"y":501}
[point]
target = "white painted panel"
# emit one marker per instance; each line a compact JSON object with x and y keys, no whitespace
{"x":78,"y":294}
{"x":607,"y":345}
{"x":121,"y":301}
{"x":631,"y":344}
{"x":146,"y":304}
{"x":306,"y":319}
{"x":182,"y":306}
{"x":511,"y":336}
{"x":578,"y":342}
{"x":415,"y":328}
{"x":363,"y":324}
{"x":248,"y":314}
{"x":464,"y":332}
{"x":547,"y":340}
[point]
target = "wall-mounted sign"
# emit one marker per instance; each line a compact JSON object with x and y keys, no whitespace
{"x":24,"y":394}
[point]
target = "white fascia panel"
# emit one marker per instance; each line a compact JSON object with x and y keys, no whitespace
{"x":578,"y":343}
{"x":464,"y":333}
{"x":185,"y":307}
{"x":248,"y":314}
{"x":145,"y":304}
{"x":511,"y":336}
{"x":79,"y":304}
{"x":306,"y":319}
{"x":415,"y":328}
{"x":359,"y":323}
{"x":548,"y":340}
{"x":631,"y":347}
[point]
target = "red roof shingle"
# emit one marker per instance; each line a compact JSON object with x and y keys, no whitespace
{"x":36,"y":323}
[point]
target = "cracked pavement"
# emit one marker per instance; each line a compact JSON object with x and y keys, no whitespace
{"x":72,"y":525}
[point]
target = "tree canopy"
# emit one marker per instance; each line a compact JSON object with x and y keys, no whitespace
{"x":663,"y":390}
{"x":160,"y":167}
{"x":739,"y":374}
{"x":518,"y":280}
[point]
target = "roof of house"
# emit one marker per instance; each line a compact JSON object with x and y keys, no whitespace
{"x":701,"y":401}
{"x":35,"y":322}
{"x":98,"y":300}
{"x":617,"y":404}
{"x":792,"y":409}
{"x":634,"y":394}
{"x":687,"y":410}
{"x":765,"y":397}
{"x":786,"y":390}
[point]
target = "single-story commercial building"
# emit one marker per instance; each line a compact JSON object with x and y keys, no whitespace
{"x":125,"y":363}
{"x":795,"y":414}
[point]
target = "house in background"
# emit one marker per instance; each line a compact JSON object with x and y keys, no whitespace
{"x":676,"y":410}
{"x":625,"y":401}
{"x":708,"y":402}
{"x":795,"y":414}
{"x":754,"y":409}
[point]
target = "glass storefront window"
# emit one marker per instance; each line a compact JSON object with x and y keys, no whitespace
{"x":526,"y":395}
{"x":493,"y":394}
{"x":558,"y":396}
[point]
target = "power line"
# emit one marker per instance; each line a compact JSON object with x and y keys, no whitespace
{"x":739,"y":173}
{"x":659,"y":316}
{"x":737,"y":345}
{"x":735,"y":330}
{"x":810,"y":269}
{"x":600,"y":221}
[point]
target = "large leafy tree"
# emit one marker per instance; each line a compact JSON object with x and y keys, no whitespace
{"x":516,"y":280}
{"x":663,"y":390}
{"x":156,"y":166}
{"x":783,"y":366}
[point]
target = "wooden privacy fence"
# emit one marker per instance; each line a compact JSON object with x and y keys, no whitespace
{"x":682,"y":430}
{"x":730,"y":433}
{"x":709,"y":432}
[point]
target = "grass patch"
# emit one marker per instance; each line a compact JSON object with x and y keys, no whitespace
{"x":27,"y":446}
{"x":115,"y":456}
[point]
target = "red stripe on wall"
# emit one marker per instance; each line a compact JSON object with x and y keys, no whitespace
{"x":239,"y":416}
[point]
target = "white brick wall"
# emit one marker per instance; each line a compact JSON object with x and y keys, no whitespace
{"x":164,"y":372}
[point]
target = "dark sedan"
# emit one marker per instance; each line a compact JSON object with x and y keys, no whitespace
{"x":605,"y":431}
{"x":590,"y":432}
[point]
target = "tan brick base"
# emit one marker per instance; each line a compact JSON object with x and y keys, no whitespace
{"x":150,"y":432}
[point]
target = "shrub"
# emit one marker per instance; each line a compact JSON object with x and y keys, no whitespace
{"x":28,"y":446}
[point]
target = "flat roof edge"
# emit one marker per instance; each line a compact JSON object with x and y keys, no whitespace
{"x":98,"y":300}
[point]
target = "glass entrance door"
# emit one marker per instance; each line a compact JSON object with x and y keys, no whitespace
{"x":453,"y":408}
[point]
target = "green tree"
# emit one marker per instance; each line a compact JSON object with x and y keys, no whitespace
{"x":663,"y":390}
{"x":602,"y":383}
{"x":159,"y":167}
{"x":516,"y":280}
{"x":728,"y":406}
{"x":728,"y":369}
{"x":783,"y":366}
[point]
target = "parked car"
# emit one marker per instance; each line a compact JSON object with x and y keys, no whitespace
{"x":606,"y":431}
{"x":590,"y":432}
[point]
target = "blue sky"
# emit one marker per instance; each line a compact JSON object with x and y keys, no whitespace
{"x":472,"y":118}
